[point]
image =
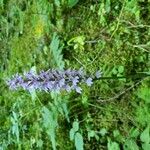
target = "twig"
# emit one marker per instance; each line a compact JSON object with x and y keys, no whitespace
{"x":98,"y":38}
{"x":79,"y":61}
{"x":92,"y":41}
{"x":95,"y":106}
{"x":135,"y":26}
{"x":118,"y":22}
{"x":97,"y":56}
{"x":121,"y":93}
{"x":141,"y":47}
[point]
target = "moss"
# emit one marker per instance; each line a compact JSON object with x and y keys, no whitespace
{"x":94,"y":35}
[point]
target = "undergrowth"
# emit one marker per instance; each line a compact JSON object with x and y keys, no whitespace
{"x":113,"y":36}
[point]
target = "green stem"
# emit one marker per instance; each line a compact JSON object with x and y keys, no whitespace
{"x":136,"y":76}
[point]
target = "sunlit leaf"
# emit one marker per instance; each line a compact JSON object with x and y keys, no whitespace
{"x":91,"y":133}
{"x":72,"y":3}
{"x":56,"y":52}
{"x":144,"y":94}
{"x":130,"y":145}
{"x":112,"y":145}
{"x":103,"y":132}
{"x":121,"y":69}
{"x":145,"y":136}
{"x":146,"y":146}
{"x":78,"y":141}
{"x":50,"y":125}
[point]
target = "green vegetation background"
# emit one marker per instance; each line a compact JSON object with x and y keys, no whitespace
{"x":111,"y":35}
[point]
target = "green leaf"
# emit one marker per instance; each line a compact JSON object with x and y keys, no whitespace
{"x":146,"y":146}
{"x":65,"y":109}
{"x":57,"y":3}
{"x":121,"y":69}
{"x":145,"y":136}
{"x":1,"y":3}
{"x":33,"y":94}
{"x":112,"y":145}
{"x":78,"y":141}
{"x":144,"y":93}
{"x":130,"y":145}
{"x":72,"y":3}
{"x":50,"y":124}
{"x":116,"y":133}
{"x":134,"y":132}
{"x":15,"y":126}
{"x":114,"y":71}
{"x":76,"y":126}
{"x":56,"y":52}
{"x":103,"y":132}
{"x":72,"y":133}
{"x":39,"y":143}
{"x":107,"y":6}
{"x":91,"y":133}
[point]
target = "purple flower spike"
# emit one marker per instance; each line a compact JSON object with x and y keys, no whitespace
{"x":75,"y":80}
{"x":51,"y":80}
{"x":89,"y":81}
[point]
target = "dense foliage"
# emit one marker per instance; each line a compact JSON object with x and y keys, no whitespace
{"x":108,"y":35}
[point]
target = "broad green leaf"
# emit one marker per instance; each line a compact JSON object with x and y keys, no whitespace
{"x":112,"y":145}
{"x":57,"y":3}
{"x":144,"y":93}
{"x":103,"y":132}
{"x":39,"y":143}
{"x":116,"y":133}
{"x":114,"y":71}
{"x":72,"y":3}
{"x":1,"y":3}
{"x":121,"y":69}
{"x":134,"y":132}
{"x":130,"y":145}
{"x":145,"y":136}
{"x":91,"y":133}
{"x":78,"y":141}
{"x":146,"y":146}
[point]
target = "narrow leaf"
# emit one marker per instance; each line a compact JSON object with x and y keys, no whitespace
{"x":72,"y":133}
{"x":78,"y":141}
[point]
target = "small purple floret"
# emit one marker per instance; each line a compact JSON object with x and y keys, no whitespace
{"x":89,"y":81}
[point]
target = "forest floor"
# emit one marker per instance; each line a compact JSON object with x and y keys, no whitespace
{"x":108,"y":35}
